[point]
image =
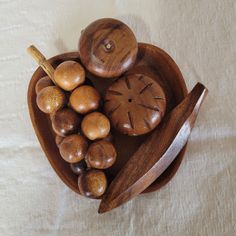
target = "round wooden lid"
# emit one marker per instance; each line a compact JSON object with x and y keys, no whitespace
{"x":108,"y":48}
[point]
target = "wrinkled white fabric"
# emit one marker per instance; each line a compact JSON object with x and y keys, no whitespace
{"x":200,"y":35}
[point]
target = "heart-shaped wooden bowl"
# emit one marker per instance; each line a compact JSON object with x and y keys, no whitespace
{"x":152,"y":61}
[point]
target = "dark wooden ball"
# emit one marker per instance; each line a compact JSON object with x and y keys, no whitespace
{"x":43,"y":83}
{"x":69,"y":75}
{"x":85,"y":99}
{"x":78,"y":167}
{"x":108,"y":48}
{"x":101,"y":155}
{"x":135,"y":104}
{"x":65,"y":122}
{"x":73,"y":148}
{"x":50,"y":99}
{"x":92,"y":183}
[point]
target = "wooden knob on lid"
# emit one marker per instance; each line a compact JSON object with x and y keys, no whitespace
{"x":108,"y":48}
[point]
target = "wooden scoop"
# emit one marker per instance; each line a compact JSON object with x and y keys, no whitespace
{"x":156,"y":153}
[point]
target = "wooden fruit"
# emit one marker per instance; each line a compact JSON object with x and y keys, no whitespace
{"x":69,"y":75}
{"x":65,"y":122}
{"x":108,"y":48}
{"x":151,"y":61}
{"x":92,"y":183}
{"x":50,"y":99}
{"x":156,"y":153}
{"x":78,"y":167}
{"x":101,"y":155}
{"x":95,"y":126}
{"x":85,"y":99}
{"x":73,"y":148}
{"x":135,"y":104}
{"x":43,"y":83}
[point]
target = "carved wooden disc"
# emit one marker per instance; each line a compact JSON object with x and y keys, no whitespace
{"x":135,"y":104}
{"x":108,"y":48}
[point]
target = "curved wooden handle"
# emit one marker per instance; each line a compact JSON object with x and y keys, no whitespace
{"x":157,"y":153}
{"x":41,"y":61}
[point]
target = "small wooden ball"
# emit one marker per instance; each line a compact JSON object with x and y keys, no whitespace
{"x":58,"y":140}
{"x":108,"y":48}
{"x":50,"y":99}
{"x":101,"y":155}
{"x":92,"y":183}
{"x":73,"y":148}
{"x":85,"y":99}
{"x":65,"y":122}
{"x":43,"y":83}
{"x":78,"y":167}
{"x":69,"y":75}
{"x":95,"y":126}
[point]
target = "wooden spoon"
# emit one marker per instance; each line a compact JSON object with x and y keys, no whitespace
{"x":156,"y":153}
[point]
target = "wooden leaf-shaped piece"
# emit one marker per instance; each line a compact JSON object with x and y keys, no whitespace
{"x":156,"y":153}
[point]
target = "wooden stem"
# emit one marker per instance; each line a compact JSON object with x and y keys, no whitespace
{"x":41,"y":61}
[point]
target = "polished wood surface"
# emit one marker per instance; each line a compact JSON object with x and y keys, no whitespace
{"x":108,"y":48}
{"x":85,"y":99}
{"x":135,"y":104}
{"x":78,"y":167}
{"x":51,"y":99}
{"x":152,"y":61}
{"x":101,"y":155}
{"x":42,"y":61}
{"x":65,"y":122}
{"x":58,"y":140}
{"x":156,"y":153}
{"x":95,"y":125}
{"x":69,"y":75}
{"x":73,"y":148}
{"x":43,"y":83}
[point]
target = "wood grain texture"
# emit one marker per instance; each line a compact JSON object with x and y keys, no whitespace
{"x":41,"y":61}
{"x":135,"y":104}
{"x":108,"y":47}
{"x":156,"y":153}
{"x":152,"y":61}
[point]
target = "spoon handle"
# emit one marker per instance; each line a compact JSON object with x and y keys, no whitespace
{"x":156,"y":153}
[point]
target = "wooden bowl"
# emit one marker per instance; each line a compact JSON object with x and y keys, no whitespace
{"x":152,"y":61}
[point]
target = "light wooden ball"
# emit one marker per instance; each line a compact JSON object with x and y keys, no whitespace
{"x":73,"y":148}
{"x":85,"y":99}
{"x":65,"y":122}
{"x":69,"y":75}
{"x":50,"y":99}
{"x":95,"y":126}
{"x":92,"y":183}
{"x":43,"y":83}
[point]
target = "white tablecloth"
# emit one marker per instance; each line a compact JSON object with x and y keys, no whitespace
{"x":201,"y":37}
